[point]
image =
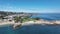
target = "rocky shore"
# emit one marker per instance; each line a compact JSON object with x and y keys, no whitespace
{"x":41,"y":21}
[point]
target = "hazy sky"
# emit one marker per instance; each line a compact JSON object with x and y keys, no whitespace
{"x":33,"y":6}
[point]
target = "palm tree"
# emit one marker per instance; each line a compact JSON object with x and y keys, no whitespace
{"x":16,"y":19}
{"x":21,"y":18}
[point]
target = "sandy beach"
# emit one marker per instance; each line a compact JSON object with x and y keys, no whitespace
{"x":6,"y":23}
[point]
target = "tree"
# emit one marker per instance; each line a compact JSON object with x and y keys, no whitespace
{"x":18,"y":19}
{"x":37,"y":18}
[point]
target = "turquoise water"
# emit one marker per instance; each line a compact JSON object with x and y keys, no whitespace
{"x":35,"y":29}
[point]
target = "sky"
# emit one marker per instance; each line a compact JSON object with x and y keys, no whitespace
{"x":30,"y":6}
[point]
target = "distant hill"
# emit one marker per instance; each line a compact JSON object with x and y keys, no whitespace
{"x":6,"y":13}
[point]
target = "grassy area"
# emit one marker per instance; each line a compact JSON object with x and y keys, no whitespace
{"x":28,"y":19}
{"x":25,"y":19}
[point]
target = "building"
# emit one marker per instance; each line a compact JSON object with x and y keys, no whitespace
{"x":11,"y":17}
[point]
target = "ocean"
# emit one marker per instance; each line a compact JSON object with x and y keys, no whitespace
{"x":46,"y":16}
{"x":35,"y":29}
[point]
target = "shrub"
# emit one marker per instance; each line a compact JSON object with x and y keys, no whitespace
{"x":37,"y":18}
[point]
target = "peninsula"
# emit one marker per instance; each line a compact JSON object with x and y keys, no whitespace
{"x":21,"y":19}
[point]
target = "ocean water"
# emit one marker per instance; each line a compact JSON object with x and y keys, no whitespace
{"x":35,"y":29}
{"x":31,"y":29}
{"x":51,"y":16}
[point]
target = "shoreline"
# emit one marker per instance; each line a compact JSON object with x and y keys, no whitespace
{"x":42,"y":22}
{"x":6,"y":23}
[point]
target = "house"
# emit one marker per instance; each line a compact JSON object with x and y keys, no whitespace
{"x":11,"y":17}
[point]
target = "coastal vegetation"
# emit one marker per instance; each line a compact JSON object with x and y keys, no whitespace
{"x":24,"y":19}
{"x":37,"y":18}
{"x":19,"y":19}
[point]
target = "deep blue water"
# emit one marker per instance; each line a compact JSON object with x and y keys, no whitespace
{"x":35,"y":29}
{"x":48,"y":16}
{"x":31,"y":29}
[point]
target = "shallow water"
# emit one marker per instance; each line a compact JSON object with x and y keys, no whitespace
{"x":31,"y":29}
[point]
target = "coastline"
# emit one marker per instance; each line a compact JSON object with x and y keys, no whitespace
{"x":41,"y":21}
{"x":5,"y":23}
